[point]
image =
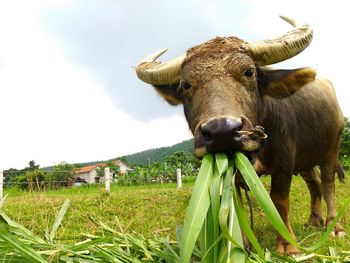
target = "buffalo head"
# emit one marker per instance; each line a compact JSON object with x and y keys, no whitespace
{"x":222,"y":85}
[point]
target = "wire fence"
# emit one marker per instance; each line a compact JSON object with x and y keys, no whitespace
{"x":47,"y":182}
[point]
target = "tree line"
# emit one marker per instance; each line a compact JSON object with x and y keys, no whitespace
{"x":64,"y":175}
{"x":35,"y":178}
{"x":164,"y":171}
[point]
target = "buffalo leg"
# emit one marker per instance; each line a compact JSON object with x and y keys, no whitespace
{"x":313,"y":183}
{"x":280,"y":187}
{"x":328,"y":191}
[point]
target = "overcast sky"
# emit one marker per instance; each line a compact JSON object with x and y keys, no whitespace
{"x":68,"y":91}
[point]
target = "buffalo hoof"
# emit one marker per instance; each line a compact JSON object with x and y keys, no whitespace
{"x":285,"y":249}
{"x":338,"y":231}
{"x":315,"y":220}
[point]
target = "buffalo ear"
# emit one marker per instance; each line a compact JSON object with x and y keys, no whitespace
{"x":283,"y":83}
{"x":170,"y":93}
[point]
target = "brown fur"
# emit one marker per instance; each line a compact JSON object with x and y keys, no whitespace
{"x":287,"y":86}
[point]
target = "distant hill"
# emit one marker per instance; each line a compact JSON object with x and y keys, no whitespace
{"x":152,"y":155}
{"x":158,"y":154}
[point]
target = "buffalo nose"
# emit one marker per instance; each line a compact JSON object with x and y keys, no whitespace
{"x":218,"y":134}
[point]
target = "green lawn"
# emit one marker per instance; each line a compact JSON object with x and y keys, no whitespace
{"x":152,"y":210}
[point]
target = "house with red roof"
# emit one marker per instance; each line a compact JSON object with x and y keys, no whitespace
{"x":89,"y":174}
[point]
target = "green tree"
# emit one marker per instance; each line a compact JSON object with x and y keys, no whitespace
{"x":35,"y":179}
{"x":163,"y":171}
{"x":10,"y":176}
{"x":183,"y":160}
{"x":24,"y":178}
{"x":62,"y":174}
{"x":344,"y":153}
{"x":32,"y":166}
{"x":137,"y":176}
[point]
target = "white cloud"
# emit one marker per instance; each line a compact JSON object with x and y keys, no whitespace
{"x":53,"y":111}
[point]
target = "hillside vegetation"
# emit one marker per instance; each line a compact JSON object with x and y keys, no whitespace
{"x":158,"y":154}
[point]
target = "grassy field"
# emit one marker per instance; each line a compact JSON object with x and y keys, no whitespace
{"x":153,"y":210}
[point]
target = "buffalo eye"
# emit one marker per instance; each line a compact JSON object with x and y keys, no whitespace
{"x":249,"y":73}
{"x":185,"y":86}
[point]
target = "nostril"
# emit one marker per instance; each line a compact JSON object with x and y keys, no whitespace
{"x":234,"y":125}
{"x":206,"y":135}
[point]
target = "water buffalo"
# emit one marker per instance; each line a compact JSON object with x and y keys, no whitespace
{"x":288,"y":120}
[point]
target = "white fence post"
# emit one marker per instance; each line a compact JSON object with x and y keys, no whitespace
{"x":107,"y":180}
{"x":178,"y":178}
{"x":1,"y":184}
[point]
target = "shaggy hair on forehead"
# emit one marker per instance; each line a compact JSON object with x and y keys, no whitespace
{"x":216,"y":48}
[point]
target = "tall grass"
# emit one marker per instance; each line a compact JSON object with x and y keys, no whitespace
{"x":212,"y":231}
{"x":18,"y":244}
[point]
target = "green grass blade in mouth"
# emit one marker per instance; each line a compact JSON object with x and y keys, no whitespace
{"x":197,"y":209}
{"x":221,"y":162}
{"x":243,"y":222}
{"x":253,"y":181}
{"x":232,"y":248}
{"x":221,"y":165}
{"x":225,"y":205}
{"x":206,"y":238}
{"x":237,"y":254}
{"x":215,"y":204}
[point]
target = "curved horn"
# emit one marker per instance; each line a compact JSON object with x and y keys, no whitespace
{"x":156,"y":73}
{"x":272,"y":51}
